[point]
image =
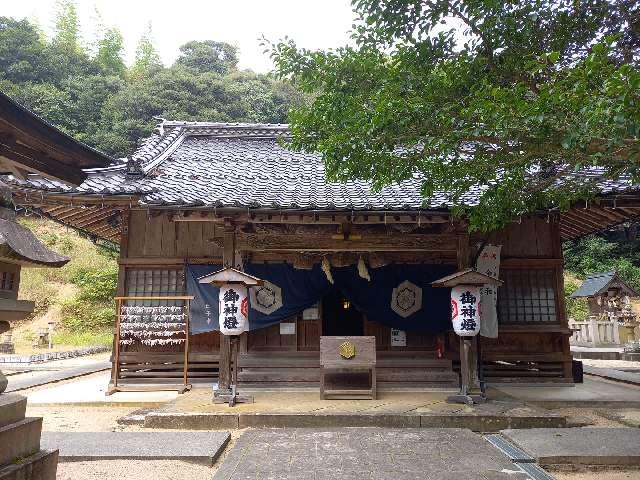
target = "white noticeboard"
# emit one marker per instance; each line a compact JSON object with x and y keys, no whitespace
{"x":287,"y":328}
{"x":398,"y":338}
{"x":311,"y":313}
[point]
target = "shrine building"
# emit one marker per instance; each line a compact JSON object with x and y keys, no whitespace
{"x":336,"y":259}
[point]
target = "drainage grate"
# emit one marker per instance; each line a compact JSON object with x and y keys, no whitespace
{"x":514,"y":453}
{"x":519,"y":457}
{"x":535,"y":471}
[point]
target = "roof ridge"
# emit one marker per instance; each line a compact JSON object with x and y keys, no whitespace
{"x":229,"y":130}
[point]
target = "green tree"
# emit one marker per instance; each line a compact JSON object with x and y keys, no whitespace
{"x":512,"y":103}
{"x":147,"y":59}
{"x":109,"y":53}
{"x":208,"y":56}
{"x":22,"y":51}
{"x":67,"y":27}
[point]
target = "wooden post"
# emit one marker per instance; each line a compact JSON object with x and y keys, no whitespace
{"x":228,"y":259}
{"x":186,"y":346}
{"x":115,"y":368}
{"x":468,"y":348}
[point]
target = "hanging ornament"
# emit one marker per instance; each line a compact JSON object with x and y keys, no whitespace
{"x":326,"y":268}
{"x":362,"y":269}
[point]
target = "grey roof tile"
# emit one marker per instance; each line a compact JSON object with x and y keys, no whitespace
{"x":245,"y":165}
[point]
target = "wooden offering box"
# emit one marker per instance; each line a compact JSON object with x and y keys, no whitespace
{"x":347,"y":356}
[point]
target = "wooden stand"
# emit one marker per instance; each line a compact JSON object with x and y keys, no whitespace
{"x":232,"y":397}
{"x":465,"y":396}
{"x":152,"y":386}
{"x":363,"y":360}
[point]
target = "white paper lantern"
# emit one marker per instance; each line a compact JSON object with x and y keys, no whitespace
{"x":465,"y":310}
{"x":233,"y":309}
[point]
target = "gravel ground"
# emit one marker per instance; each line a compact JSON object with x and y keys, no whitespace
{"x":138,"y":469}
{"x":66,"y":418}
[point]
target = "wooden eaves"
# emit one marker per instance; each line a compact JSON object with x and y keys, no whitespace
{"x":28,"y":144}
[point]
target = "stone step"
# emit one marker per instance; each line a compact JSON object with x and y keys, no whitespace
{"x":40,"y":466}
{"x":12,"y":408}
{"x":19,"y":439}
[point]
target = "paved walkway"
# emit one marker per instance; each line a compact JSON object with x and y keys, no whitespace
{"x":90,"y":391}
{"x":594,"y":392}
{"x":366,"y":453}
{"x":23,"y":381}
{"x":613,"y":374}
{"x":201,"y":447}
{"x":574,"y":446}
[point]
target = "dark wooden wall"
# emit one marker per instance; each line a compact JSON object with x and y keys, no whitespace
{"x":154,"y":241}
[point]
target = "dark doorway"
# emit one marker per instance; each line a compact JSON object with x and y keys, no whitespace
{"x":339,"y":316}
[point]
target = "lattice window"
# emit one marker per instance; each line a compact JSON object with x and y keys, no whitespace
{"x":527,"y":296}
{"x":7,"y":280}
{"x":155,"y":283}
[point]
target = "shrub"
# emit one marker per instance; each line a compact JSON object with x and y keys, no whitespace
{"x":96,"y":284}
{"x":576,"y":307}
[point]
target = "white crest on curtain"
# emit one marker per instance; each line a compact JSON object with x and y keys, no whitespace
{"x":266,"y":298}
{"x":406,"y":299}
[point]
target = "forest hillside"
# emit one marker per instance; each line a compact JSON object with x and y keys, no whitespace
{"x":78,"y":297}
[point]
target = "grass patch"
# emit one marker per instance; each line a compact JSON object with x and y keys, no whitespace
{"x":78,"y":297}
{"x":83,"y":339}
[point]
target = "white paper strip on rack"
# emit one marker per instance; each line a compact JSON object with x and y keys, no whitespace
{"x":489,"y":264}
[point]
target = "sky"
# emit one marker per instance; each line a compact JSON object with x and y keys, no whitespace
{"x":316,"y":24}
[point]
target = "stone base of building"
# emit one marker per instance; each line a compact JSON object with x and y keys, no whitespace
{"x":20,"y":454}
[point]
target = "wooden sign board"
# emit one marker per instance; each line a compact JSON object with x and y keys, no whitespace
{"x":331,"y":355}
{"x":346,"y":355}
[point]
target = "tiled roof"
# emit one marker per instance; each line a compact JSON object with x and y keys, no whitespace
{"x":593,"y":284}
{"x":20,"y":243}
{"x":243,"y":165}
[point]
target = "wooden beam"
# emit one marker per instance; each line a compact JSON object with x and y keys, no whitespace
{"x":41,"y":163}
{"x":581,"y":218}
{"x":600,"y":215}
{"x":318,"y":218}
{"x":325,"y":243}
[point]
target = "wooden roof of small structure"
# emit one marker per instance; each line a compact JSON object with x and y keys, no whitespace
{"x":29,"y":144}
{"x":468,"y":276}
{"x":19,"y":245}
{"x":230,"y":275}
{"x":598,"y":283}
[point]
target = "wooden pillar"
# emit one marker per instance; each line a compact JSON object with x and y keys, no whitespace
{"x":120,"y":292}
{"x":228,"y":259}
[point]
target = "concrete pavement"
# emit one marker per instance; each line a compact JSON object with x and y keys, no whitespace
{"x":579,"y":446}
{"x":366,"y":453}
